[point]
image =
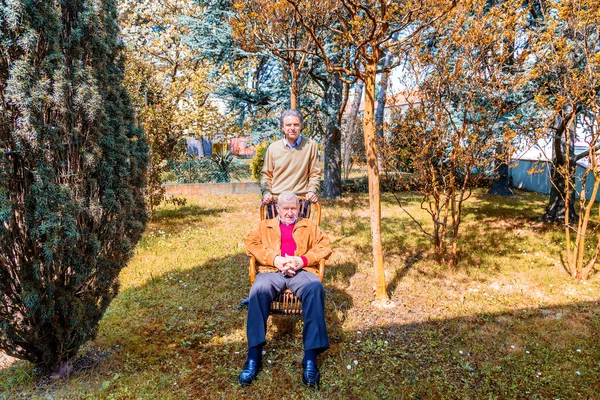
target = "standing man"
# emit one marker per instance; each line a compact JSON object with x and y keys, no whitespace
{"x":287,"y":249}
{"x":291,"y":163}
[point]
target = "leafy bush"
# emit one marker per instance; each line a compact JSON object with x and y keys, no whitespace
{"x":258,"y":160}
{"x":221,"y":167}
{"x":225,"y":167}
{"x":72,"y":176}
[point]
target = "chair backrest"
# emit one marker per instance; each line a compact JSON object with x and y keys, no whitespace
{"x":307,"y":210}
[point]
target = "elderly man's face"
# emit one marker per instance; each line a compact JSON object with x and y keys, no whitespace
{"x":291,"y":128}
{"x":288,"y":211}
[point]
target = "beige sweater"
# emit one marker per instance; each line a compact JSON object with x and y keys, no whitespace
{"x":293,"y":170}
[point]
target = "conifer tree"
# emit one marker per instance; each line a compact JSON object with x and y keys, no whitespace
{"x":72,"y":175}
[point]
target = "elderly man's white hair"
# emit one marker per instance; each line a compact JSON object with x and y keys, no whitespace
{"x":288,"y":197}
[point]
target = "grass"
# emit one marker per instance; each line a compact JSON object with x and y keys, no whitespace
{"x":507,"y":323}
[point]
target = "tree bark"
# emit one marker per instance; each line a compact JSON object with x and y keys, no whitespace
{"x":373,"y":176}
{"x":501,"y":183}
{"x":382,"y":97}
{"x":293,"y":88}
{"x":555,"y":211}
{"x":332,"y":181}
{"x":350,"y":130}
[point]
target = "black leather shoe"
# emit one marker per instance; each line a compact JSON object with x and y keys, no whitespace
{"x":249,"y":372}
{"x":310,"y":376}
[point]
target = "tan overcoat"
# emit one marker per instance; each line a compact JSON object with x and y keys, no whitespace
{"x":264,"y":243}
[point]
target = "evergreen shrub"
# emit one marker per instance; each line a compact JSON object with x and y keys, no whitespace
{"x":72,"y":175}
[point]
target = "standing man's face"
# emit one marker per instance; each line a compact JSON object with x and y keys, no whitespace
{"x":291,"y":128}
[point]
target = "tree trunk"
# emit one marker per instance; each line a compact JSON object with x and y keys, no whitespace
{"x":382,"y":97}
{"x":501,"y":183}
{"x":380,"y":110}
{"x":294,"y":90}
{"x":293,"y":101}
{"x":332,"y":182}
{"x":373,"y":176}
{"x":555,"y":211}
{"x":351,"y":126}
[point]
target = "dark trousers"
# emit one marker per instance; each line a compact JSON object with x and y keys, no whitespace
{"x":307,"y":287}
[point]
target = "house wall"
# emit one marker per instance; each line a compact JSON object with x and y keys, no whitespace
{"x":536,"y":182}
{"x":240,"y":147}
{"x":195,"y":147}
{"x":539,"y":181}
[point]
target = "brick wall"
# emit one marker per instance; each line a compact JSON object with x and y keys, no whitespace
{"x":199,"y":189}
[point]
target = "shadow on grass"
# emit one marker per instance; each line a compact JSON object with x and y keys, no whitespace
{"x":183,"y":334}
{"x":338,"y":271}
{"x":524,"y":205}
{"x":503,"y":227}
{"x":350,"y":201}
{"x":526,"y":353}
{"x":185,"y":326}
{"x":492,"y":228}
{"x":174,"y":219}
{"x":401,"y":272}
{"x":403,"y":237}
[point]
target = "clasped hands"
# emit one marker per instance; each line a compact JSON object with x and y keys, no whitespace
{"x":288,"y":265}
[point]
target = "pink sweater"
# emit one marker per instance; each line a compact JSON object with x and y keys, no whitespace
{"x":288,"y":245}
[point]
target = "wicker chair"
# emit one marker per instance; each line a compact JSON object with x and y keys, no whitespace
{"x":285,"y":302}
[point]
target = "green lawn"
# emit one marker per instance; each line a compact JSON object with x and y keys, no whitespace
{"x":507,"y":323}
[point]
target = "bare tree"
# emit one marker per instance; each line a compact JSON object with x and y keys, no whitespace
{"x":566,"y":51}
{"x":452,"y":131}
{"x":363,"y":29}
{"x":273,"y":26}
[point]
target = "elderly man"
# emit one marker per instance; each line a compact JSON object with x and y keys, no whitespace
{"x":291,"y":163}
{"x":287,"y":248}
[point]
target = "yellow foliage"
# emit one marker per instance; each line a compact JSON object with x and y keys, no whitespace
{"x":258,"y":160}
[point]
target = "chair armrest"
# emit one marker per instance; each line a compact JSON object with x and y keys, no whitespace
{"x":252,"y":269}
{"x":321,"y":269}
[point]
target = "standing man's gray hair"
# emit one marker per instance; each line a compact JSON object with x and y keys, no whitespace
{"x":289,"y":113}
